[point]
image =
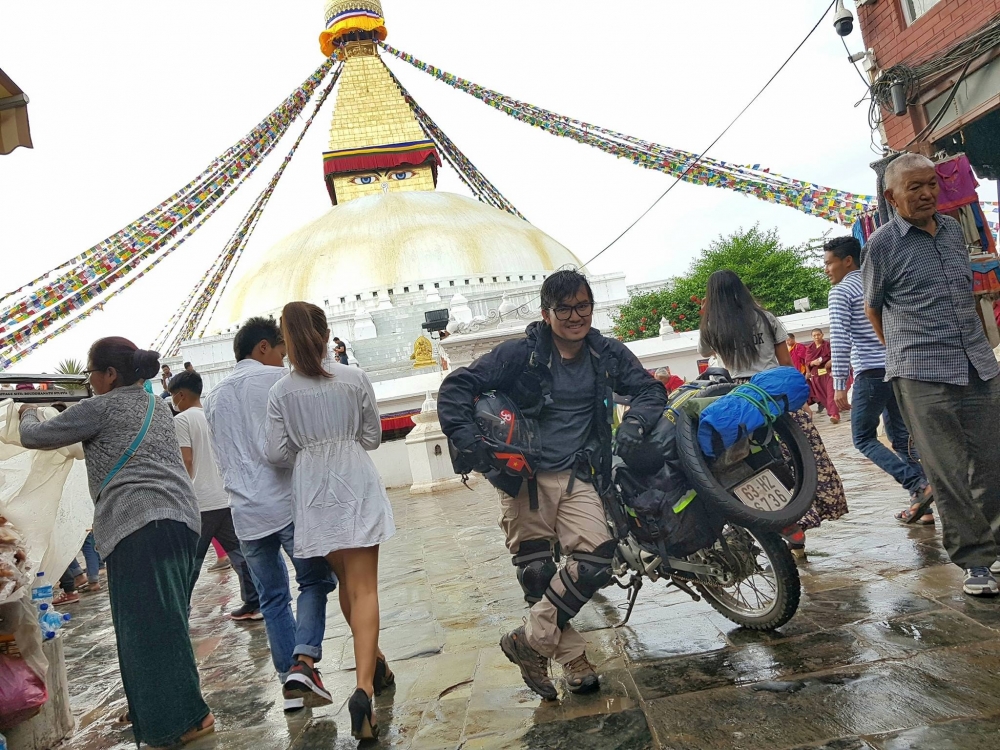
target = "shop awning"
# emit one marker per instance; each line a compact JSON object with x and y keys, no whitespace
{"x":14,"y":130}
{"x":398,"y":421}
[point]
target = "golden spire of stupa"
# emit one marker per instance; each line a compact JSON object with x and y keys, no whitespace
{"x":376,"y":144}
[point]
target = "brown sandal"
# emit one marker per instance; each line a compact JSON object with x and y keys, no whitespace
{"x":909,"y":516}
{"x":191,"y":735}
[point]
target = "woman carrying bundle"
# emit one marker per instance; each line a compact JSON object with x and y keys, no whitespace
{"x":146,"y":526}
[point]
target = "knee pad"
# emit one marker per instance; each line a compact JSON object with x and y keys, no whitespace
{"x":593,"y":572}
{"x":535,"y":568}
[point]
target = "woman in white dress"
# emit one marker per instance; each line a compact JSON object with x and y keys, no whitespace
{"x":322,"y":419}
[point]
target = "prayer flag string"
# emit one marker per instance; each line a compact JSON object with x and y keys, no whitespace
{"x":197,"y":310}
{"x":481,"y":188}
{"x":33,"y":312}
{"x":833,"y":205}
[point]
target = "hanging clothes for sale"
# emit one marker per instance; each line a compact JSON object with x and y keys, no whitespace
{"x":958,"y":183}
{"x":988,"y":241}
{"x":858,"y":231}
{"x":966,"y":217}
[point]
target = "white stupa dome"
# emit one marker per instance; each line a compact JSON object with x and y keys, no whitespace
{"x":388,"y":241}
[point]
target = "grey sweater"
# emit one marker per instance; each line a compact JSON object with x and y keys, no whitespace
{"x":152,"y":486}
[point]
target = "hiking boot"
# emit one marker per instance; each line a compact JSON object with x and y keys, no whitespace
{"x":580,"y":675}
{"x":305,"y":682}
{"x":534,"y":667}
{"x":980,"y":582}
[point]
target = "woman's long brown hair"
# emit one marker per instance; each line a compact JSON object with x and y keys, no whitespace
{"x":305,"y":330}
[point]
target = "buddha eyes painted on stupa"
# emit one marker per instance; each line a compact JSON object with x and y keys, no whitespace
{"x":371,"y":179}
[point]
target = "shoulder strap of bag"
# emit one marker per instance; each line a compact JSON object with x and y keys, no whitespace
{"x":130,"y":451}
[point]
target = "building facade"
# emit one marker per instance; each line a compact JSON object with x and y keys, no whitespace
{"x":943,"y":59}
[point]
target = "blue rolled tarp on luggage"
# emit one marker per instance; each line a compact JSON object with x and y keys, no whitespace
{"x":742,"y":411}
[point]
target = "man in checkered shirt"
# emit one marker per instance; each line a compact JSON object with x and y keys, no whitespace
{"x":918,"y":296}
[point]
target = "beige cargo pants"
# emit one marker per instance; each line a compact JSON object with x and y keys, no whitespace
{"x":576,"y":520}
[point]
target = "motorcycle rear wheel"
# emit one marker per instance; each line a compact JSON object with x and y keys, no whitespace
{"x":764,"y":600}
{"x":708,"y":487}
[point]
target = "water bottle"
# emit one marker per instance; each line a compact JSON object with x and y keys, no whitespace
{"x":41,"y":593}
{"x":3,"y":743}
{"x":50,"y":621}
{"x":45,"y":622}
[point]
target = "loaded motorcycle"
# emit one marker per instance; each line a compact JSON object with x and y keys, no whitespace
{"x":709,"y":526}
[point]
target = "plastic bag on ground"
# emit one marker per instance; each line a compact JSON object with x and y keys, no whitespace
{"x":22,"y":691}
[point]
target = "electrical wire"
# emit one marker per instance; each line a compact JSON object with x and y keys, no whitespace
{"x":911,"y":74}
{"x":705,"y":151}
{"x":855,"y":66}
{"x":869,"y":96}
{"x":929,"y":128}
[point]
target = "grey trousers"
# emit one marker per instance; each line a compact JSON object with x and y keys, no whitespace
{"x":955,"y":430}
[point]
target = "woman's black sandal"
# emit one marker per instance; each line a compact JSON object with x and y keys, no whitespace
{"x":360,"y":708}
{"x":384,"y":679}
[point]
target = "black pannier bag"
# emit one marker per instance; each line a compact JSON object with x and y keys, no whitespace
{"x":673,"y":519}
{"x":664,"y":509}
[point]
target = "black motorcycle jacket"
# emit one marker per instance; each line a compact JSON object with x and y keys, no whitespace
{"x":521,"y":370}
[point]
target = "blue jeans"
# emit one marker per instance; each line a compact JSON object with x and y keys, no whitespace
{"x":872,"y":397}
{"x":286,"y":637}
{"x":92,"y":558}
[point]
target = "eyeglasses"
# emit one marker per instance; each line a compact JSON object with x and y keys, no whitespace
{"x":88,"y":373}
{"x":565,"y":312}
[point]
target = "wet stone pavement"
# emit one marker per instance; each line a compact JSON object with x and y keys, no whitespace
{"x":885,"y":651}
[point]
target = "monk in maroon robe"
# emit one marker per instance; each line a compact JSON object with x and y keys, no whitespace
{"x":818,"y":358}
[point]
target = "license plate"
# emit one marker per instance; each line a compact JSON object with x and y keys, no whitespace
{"x":764,"y":492}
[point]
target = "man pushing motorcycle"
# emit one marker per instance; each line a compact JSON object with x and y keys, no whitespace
{"x":561,"y":379}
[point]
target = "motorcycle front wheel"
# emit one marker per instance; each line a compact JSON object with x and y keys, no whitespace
{"x":759,"y":588}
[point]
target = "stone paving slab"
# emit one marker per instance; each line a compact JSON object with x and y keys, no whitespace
{"x":885,"y":652}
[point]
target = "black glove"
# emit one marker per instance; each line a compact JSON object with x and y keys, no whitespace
{"x":630,"y":433}
{"x":471,"y":453}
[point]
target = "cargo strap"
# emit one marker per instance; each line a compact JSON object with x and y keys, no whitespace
{"x":532,"y":493}
{"x":766,"y":400}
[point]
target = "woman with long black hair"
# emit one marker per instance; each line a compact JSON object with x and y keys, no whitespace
{"x":748,"y":339}
{"x":322,"y":419}
{"x":146,"y":526}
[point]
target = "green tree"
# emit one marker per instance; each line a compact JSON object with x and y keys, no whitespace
{"x":775,"y":274}
{"x":70,"y":367}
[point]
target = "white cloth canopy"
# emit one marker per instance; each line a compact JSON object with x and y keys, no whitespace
{"x":53,"y":523}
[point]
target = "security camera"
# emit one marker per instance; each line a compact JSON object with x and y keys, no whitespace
{"x":843,"y":19}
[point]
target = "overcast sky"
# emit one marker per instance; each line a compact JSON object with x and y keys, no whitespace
{"x":130,"y":100}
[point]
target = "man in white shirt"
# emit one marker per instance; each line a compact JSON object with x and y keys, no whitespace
{"x":194,"y":439}
{"x":260,"y":496}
